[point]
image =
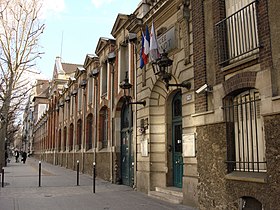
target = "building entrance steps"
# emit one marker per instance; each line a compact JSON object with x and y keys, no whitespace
{"x":170,"y":194}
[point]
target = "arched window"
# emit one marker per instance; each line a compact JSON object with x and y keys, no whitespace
{"x":249,"y":203}
{"x":89,"y":131}
{"x":104,"y":127}
{"x":64,"y":138}
{"x":59,"y":140}
{"x":79,"y":134}
{"x":246,"y":146}
{"x":71,"y":137}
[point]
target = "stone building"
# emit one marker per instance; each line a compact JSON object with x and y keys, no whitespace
{"x":200,"y":123}
{"x":236,"y":117}
{"x":34,"y":110}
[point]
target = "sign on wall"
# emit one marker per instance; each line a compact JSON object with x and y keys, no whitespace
{"x":144,"y":147}
{"x":167,"y":41}
{"x":189,"y":148}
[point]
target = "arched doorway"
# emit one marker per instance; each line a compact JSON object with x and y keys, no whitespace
{"x":126,"y":160}
{"x":177,"y":159}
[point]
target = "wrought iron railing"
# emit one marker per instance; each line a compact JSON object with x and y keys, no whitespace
{"x":246,"y":145}
{"x":237,"y":35}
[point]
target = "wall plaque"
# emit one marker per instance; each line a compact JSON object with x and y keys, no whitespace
{"x":189,"y":148}
{"x":144,"y":147}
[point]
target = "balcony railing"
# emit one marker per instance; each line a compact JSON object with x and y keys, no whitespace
{"x":237,"y":35}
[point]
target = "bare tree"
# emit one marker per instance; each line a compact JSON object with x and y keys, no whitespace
{"x":20,"y":29}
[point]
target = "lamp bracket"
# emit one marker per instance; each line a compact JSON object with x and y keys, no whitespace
{"x":184,"y":84}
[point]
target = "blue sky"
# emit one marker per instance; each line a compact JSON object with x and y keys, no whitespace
{"x":77,"y":25}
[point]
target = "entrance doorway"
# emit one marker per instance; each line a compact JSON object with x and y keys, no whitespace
{"x":127,"y":168}
{"x":177,"y":159}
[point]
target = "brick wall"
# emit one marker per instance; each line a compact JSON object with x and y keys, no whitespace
{"x":240,"y":81}
{"x":264,"y":34}
{"x":199,"y":54}
{"x":218,"y":14}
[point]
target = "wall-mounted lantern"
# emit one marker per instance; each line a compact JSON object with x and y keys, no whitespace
{"x":61,"y":104}
{"x":94,"y":73}
{"x":74,"y":92}
{"x":67,"y":99}
{"x":161,"y":66}
{"x":83,"y":83}
{"x":126,"y":86}
{"x":111,"y":58}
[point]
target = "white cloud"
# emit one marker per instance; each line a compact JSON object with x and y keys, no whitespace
{"x":100,"y":3}
{"x":52,"y":7}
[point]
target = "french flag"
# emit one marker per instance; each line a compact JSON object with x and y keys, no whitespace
{"x":145,"y":48}
{"x":142,"y":64}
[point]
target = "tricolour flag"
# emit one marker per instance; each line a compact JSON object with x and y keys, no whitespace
{"x":142,"y":64}
{"x":146,"y":50}
{"x":154,"y":53}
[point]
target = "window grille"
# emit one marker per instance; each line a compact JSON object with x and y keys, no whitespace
{"x":246,"y":147}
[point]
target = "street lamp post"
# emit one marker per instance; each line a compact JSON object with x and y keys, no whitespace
{"x":94,"y":73}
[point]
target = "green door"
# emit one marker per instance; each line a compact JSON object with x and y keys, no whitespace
{"x":177,"y":140}
{"x":126,"y":147}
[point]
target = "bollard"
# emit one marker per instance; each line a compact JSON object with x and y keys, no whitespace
{"x":2,"y":177}
{"x":93,"y":178}
{"x":40,"y":173}
{"x":78,"y":168}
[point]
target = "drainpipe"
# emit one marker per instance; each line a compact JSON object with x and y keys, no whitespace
{"x":135,"y":119}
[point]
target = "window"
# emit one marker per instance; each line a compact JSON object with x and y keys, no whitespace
{"x":80,"y":98}
{"x":104,"y":127}
{"x":104,"y":79}
{"x":249,"y":203}
{"x":70,"y":144}
{"x":59,"y":140}
{"x":237,"y":33}
{"x":246,"y":146}
{"x":64,"y":138}
{"x":123,"y":62}
{"x":79,"y":134}
{"x":90,"y":91}
{"x":89,"y":131}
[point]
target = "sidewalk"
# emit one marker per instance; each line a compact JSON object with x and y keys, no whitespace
{"x":58,"y":191}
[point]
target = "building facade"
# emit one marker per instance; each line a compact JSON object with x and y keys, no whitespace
{"x":202,"y":118}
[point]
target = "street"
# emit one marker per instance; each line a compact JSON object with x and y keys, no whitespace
{"x":59,"y":191}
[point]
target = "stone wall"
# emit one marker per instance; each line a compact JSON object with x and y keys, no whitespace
{"x":272,"y":135}
{"x":211,"y":156}
{"x":88,"y":163}
{"x":103,"y":165}
{"x":219,"y":193}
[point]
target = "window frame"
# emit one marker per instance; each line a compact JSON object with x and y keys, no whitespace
{"x":245,"y":136}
